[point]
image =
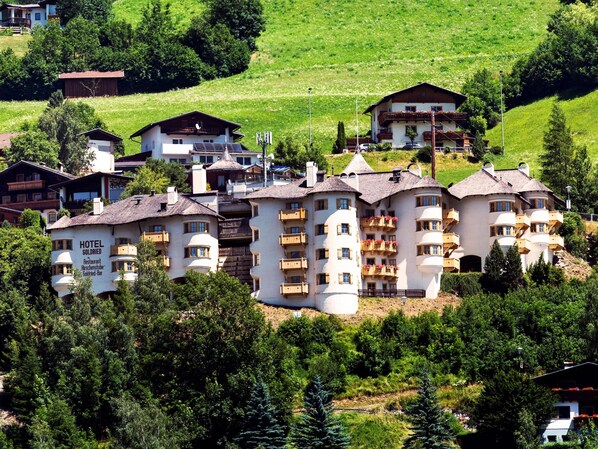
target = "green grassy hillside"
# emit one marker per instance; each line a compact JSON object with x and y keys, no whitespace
{"x":347,"y":50}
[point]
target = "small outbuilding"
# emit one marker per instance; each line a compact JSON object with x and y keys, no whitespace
{"x":91,"y":83}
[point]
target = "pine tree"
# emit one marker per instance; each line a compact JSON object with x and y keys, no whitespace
{"x":317,"y":427}
{"x":583,"y":195}
{"x":341,"y":139}
{"x":493,"y":269}
{"x":430,"y":427}
{"x":526,"y":436}
{"x":558,"y":152}
{"x":512,"y":276}
{"x":261,"y":428}
{"x":478,"y":148}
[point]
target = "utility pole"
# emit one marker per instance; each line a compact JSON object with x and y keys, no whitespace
{"x":433,"y":146}
{"x":357,"y":126}
{"x":263,"y":140}
{"x":309,"y":89}
{"x":502,"y":121}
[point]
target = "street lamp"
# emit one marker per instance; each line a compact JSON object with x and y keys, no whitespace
{"x":404,"y":300}
{"x":502,"y":121}
{"x":263,"y":140}
{"x":520,"y":354}
{"x":309,"y":89}
{"x":568,"y":188}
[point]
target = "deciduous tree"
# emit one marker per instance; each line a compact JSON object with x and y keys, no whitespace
{"x":33,"y":146}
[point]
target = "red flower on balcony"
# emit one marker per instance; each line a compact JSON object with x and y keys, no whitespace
{"x":366,"y":266}
{"x":379,"y":267}
{"x":395,"y":219}
{"x":379,"y":242}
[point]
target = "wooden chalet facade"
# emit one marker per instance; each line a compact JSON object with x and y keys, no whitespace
{"x":91,"y":83}
{"x":26,"y":185}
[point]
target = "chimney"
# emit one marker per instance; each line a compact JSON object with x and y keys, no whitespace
{"x":311,"y":174}
{"x":489,"y":167}
{"x":98,"y":206}
{"x":396,"y":174}
{"x":524,"y":168}
{"x":198,"y":179}
{"x":173,"y":196}
{"x":163,"y":206}
{"x":321,"y":175}
{"x":568,"y":365}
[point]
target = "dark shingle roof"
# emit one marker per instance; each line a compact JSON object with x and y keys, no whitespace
{"x":139,"y":132}
{"x":40,"y":167}
{"x":520,"y":181}
{"x":481,"y":183}
{"x":377,"y":186}
{"x":298,"y":189}
{"x":135,"y":209}
{"x":226,"y":163}
{"x":358,"y":165}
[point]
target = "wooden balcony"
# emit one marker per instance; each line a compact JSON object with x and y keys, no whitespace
{"x":301,"y":288}
{"x":451,"y":264}
{"x":292,"y":214}
{"x":380,"y":271}
{"x":522,"y":222}
{"x":34,"y":204}
{"x":386,"y":118}
{"x":524,"y":246}
{"x":166,"y":262}
{"x":123,"y":250}
{"x":450,"y":241}
{"x":293,"y":264}
{"x":442,"y":136}
{"x":293,"y":239}
{"x":387,"y":223}
{"x":556,"y":242}
{"x":159,"y":238}
{"x":384,"y":136}
{"x":450,"y":217}
{"x":382,"y":246}
{"x":555,"y":218}
{"x":26,"y":185}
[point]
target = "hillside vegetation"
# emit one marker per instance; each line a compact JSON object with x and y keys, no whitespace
{"x":346,"y":50}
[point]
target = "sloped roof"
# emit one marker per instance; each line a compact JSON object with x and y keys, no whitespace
{"x":377,"y":186}
{"x":39,"y":167}
{"x":481,"y":183}
{"x":136,"y":208}
{"x":100,"y":134}
{"x":298,"y":189}
{"x":358,"y":165}
{"x":520,"y":181}
{"x":91,"y":74}
{"x":87,"y":178}
{"x":214,"y":147}
{"x":139,"y":132}
{"x":459,"y":98}
{"x":584,"y":375}
{"x":226,"y":163}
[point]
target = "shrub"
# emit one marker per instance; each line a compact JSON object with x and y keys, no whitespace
{"x":424,"y":154}
{"x":461,"y":284}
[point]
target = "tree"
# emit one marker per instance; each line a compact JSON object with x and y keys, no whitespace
{"x":478,"y":149}
{"x":81,"y":44}
{"x":583,"y":182}
{"x":496,"y":412}
{"x":317,"y":427}
{"x":411,"y":134}
{"x":31,"y":219}
{"x":512,"y":276}
{"x":313,"y":154}
{"x":341,"y":139}
{"x":431,"y":429}
{"x":557,"y":153}
{"x":494,"y":265}
{"x":573,"y":232}
{"x":156,"y":175}
{"x":261,"y":428}
{"x":287,"y":152}
{"x":33,"y":146}
{"x":483,"y":99}
{"x":94,"y":10}
{"x":526,"y":435}
{"x":13,"y":76}
{"x":244,"y":18}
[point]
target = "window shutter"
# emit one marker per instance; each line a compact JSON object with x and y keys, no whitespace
{"x":338,"y":203}
{"x":325,"y":229}
{"x":326,"y":256}
{"x":339,"y":229}
{"x":339,"y":253}
{"x":207,"y":227}
{"x":350,"y":279}
{"x":349,"y":202}
{"x":327,"y":278}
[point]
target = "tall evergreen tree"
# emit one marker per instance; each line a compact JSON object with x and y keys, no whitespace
{"x":317,"y":427}
{"x":583,"y":193}
{"x":527,"y":436}
{"x":558,"y":152}
{"x":261,"y":429}
{"x":493,"y":269}
{"x":512,"y":276}
{"x":478,"y":148}
{"x":430,"y":426}
{"x":341,"y":139}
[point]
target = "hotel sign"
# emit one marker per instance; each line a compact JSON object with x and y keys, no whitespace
{"x":91,"y":266}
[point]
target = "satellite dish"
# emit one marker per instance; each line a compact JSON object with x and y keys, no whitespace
{"x":197,"y":127}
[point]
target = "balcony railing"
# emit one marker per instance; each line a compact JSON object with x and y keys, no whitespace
{"x":450,"y":241}
{"x":26,"y":185}
{"x":166,"y":262}
{"x":292,"y":214}
{"x":384,"y":135}
{"x":383,"y":271}
{"x":293,"y":264}
{"x":123,"y":250}
{"x":379,"y":246}
{"x":386,"y":118}
{"x":556,"y":242}
{"x":293,"y":239}
{"x":450,"y":216}
{"x":392,"y":293}
{"x":555,"y":218}
{"x":523,"y":222}
{"x":524,"y":246}
{"x":160,"y":237}
{"x":387,"y":222}
{"x":451,"y":264}
{"x":302,"y":288}
{"x":34,"y":204}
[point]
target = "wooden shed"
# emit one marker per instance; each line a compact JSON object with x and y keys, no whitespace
{"x":91,"y":84}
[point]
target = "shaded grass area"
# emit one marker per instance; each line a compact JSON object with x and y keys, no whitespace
{"x":375,"y":431}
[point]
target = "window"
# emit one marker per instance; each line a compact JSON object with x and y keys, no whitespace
{"x":538,"y":203}
{"x":294,"y":230}
{"x":436,"y":108}
{"x":255,"y":210}
{"x":178,"y":160}
{"x":208,"y":140}
{"x":52,"y":195}
{"x":410,"y":128}
{"x":295,"y":254}
{"x":196,"y":226}
{"x":294,"y":205}
{"x":6,"y":199}
{"x":21,"y":197}
{"x":123,"y":241}
{"x":321,"y":204}
{"x":410,"y":109}
{"x":344,"y":253}
{"x":429,"y":225}
{"x":256,"y":235}
{"x":294,"y":279}
{"x":321,"y":253}
{"x":60,"y":245}
{"x":370,"y":236}
{"x":206,"y":159}
{"x":370,"y":261}
{"x":52,"y":217}
{"x":35,"y":176}
{"x":429,"y":250}
{"x":343,"y":203}
{"x":20,"y":177}
{"x":539,"y":227}
{"x":369,"y":213}
{"x":197,"y":252}
{"x":62,"y":269}
{"x":177,"y":141}
{"x":430,"y":200}
{"x":119,"y":266}
{"x":501,"y":206}
{"x":323,"y":278}
{"x":502,"y":230}
{"x":392,"y":238}
{"x":321,"y":229}
{"x":391,"y":213}
{"x":344,"y":278}
{"x":551,"y":438}
{"x":156,"y":228}
{"x":36,"y":196}
{"x":392,"y":262}
{"x":256,"y":260}
{"x":244,"y":160}
{"x":344,"y":228}
{"x":38,"y":16}
{"x":563,"y":412}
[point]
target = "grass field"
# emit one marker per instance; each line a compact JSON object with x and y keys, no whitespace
{"x":346,"y":50}
{"x":18,"y":43}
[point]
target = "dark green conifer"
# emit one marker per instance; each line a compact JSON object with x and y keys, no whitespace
{"x":512,"y":276}
{"x":493,"y":269}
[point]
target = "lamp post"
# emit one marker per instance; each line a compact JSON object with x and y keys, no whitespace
{"x":520,"y":354}
{"x":568,"y":188}
{"x":263,"y":140}
{"x":502,"y":121}
{"x":309,"y":89}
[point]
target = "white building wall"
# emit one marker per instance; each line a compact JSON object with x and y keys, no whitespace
{"x":103,"y":155}
{"x":150,"y":141}
{"x":42,"y":17}
{"x":559,"y":428}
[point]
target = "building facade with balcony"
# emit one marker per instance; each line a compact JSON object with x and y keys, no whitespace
{"x":510,"y":207}
{"x":101,"y":243}
{"x":411,"y":109}
{"x":194,"y":137}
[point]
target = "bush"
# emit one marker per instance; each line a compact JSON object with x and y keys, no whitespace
{"x":461,"y":284}
{"x":424,"y":154}
{"x":495,"y":149}
{"x":386,"y":146}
